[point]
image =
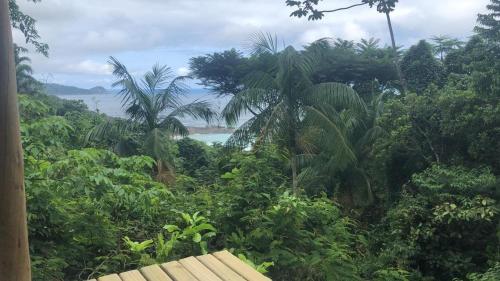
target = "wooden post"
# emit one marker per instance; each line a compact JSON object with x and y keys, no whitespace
{"x":14,"y":251}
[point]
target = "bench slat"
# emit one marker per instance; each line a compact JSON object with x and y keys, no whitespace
{"x":133,"y":275}
{"x":154,"y":273}
{"x":112,"y":277}
{"x":240,"y":267}
{"x":177,"y":272}
{"x":198,"y":270}
{"x":219,"y":268}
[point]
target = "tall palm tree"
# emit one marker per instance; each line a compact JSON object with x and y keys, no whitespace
{"x":155,"y":104}
{"x":26,"y":83}
{"x":280,"y":96}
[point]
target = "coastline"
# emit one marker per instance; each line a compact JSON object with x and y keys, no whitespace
{"x":210,"y":130}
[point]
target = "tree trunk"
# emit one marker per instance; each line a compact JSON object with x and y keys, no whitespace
{"x":165,"y":173}
{"x":159,"y":166}
{"x":295,"y":182}
{"x":395,"y":53}
{"x":14,"y":253}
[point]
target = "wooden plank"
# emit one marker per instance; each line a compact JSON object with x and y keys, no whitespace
{"x":154,"y":273}
{"x":133,"y":275}
{"x":112,"y":277}
{"x":219,"y":268}
{"x":198,"y":270}
{"x":240,"y":267}
{"x":177,"y":272}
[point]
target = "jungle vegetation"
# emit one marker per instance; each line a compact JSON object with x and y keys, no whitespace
{"x":349,"y":175}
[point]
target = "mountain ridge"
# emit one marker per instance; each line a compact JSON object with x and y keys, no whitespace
{"x":63,"y":90}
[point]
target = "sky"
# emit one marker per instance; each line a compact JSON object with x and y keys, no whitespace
{"x":82,"y":34}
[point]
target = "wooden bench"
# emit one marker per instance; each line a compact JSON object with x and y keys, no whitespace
{"x":220,"y":266}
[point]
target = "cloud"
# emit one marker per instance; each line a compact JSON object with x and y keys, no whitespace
{"x":83,"y":34}
{"x":354,"y":31}
{"x":89,"y":67}
{"x":182,"y":71}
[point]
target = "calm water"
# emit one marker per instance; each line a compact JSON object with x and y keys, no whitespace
{"x":110,"y":104}
{"x":211,"y":138}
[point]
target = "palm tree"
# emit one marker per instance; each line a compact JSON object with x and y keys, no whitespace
{"x":444,"y":45}
{"x":25,"y":82}
{"x":154,"y":103}
{"x":355,"y":133}
{"x":369,"y":48}
{"x":280,"y":96}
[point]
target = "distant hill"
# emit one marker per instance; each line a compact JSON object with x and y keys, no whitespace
{"x":62,"y":90}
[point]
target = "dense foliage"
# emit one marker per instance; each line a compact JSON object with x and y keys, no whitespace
{"x":338,"y":175}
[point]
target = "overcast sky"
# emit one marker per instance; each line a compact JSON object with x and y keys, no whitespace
{"x":82,"y":34}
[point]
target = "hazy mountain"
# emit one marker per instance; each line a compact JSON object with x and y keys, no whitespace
{"x":62,"y":90}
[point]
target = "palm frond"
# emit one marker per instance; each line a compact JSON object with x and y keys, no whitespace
{"x":155,"y":79}
{"x":110,"y":128}
{"x":262,"y":43}
{"x":157,"y":145}
{"x":197,"y":110}
{"x":174,"y":126}
{"x":170,"y":97}
{"x":261,"y":128}
{"x":338,"y":95}
{"x":310,"y":178}
{"x":245,"y":134}
{"x":24,"y":69}
{"x":260,"y":79}
{"x":333,"y":133}
{"x":276,"y":121}
{"x":252,"y":99}
{"x":369,"y":137}
{"x":129,"y":90}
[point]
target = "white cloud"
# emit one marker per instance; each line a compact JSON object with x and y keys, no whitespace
{"x":353,"y":31}
{"x":89,"y":67}
{"x":181,"y":71}
{"x":82,"y":34}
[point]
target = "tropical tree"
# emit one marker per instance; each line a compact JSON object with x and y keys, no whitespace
{"x":364,"y":66}
{"x":487,"y":65}
{"x":155,"y":104}
{"x":25,"y":82}
{"x":221,"y":73}
{"x":421,"y":68}
{"x":443,"y":45}
{"x":309,"y":8}
{"x":27,"y":25}
{"x":281,"y":96}
{"x":368,"y":46}
{"x":340,"y":140}
{"x":489,"y":24}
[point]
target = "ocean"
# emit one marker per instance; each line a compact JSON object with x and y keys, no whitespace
{"x":110,"y":104}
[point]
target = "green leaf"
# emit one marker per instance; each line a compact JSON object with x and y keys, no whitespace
{"x":197,"y":238}
{"x":171,"y":228}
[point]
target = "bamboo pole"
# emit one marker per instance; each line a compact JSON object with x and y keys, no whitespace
{"x":14,"y":251}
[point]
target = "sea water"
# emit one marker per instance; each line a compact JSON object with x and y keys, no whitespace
{"x":110,"y":104}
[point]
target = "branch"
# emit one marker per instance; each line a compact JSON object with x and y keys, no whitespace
{"x":344,"y":8}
